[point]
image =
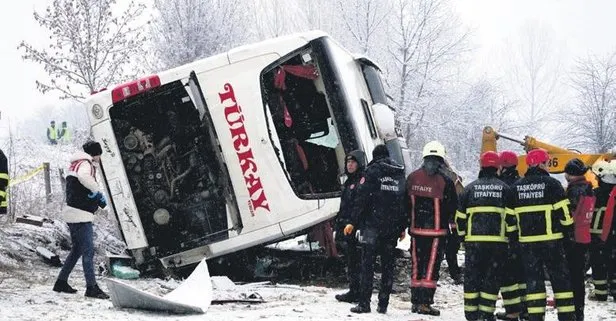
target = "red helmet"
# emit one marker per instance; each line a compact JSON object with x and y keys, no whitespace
{"x":489,"y":159}
{"x":508,"y":158}
{"x":536,"y":157}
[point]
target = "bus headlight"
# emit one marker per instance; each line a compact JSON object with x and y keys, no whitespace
{"x":97,"y":111}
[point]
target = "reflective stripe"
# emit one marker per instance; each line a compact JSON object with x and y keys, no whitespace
{"x":3,"y":204}
{"x":597,"y":218}
{"x":563,"y":295}
{"x":536,"y":296}
{"x":428,"y":232}
{"x":614,"y":281}
{"x":485,"y":238}
{"x":460,"y":215}
{"x":471,"y":295}
{"x":487,"y":309}
{"x":509,"y":211}
{"x":536,"y":310}
{"x":600,"y":292}
{"x":471,"y":308}
{"x":540,"y":238}
{"x":562,"y":204}
{"x":599,"y":282}
{"x":510,"y":288}
{"x":488,"y":296}
{"x":566,"y":309}
{"x":2,"y":193}
{"x":532,"y":208}
{"x":512,"y":228}
{"x":461,"y":233}
{"x":522,"y":286}
{"x":4,"y":176}
{"x":512,"y":301}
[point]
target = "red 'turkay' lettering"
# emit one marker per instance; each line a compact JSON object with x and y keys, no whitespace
{"x":241,"y":144}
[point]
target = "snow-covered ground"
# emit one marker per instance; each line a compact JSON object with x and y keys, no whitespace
{"x":26,"y":295}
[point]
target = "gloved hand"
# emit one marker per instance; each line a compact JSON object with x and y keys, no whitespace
{"x":348,"y":229}
{"x":102,"y":203}
{"x":96,"y":196}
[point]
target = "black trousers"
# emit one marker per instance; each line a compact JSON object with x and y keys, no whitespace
{"x":371,"y":246}
{"x":426,"y":255}
{"x":451,"y":254}
{"x":603,"y":264}
{"x":483,"y":261}
{"x":576,"y":253}
{"x":513,"y":289}
{"x":352,"y":254}
{"x":551,"y":255}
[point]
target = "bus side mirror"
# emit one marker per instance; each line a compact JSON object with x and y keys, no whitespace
{"x":384,"y":121}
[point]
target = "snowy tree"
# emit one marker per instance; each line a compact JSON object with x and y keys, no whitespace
{"x":592,"y":120}
{"x":364,"y":21}
{"x":535,"y":72}
{"x":426,"y":41}
{"x":187,"y":30}
{"x":90,"y":47}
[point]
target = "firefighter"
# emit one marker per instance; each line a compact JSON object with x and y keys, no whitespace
{"x":484,"y":220}
{"x":433,"y":200}
{"x":354,"y":168}
{"x":453,"y":239}
{"x":52,"y":133}
{"x":602,"y":243}
{"x":581,"y":199}
{"x":543,"y":219}
{"x":4,"y":183}
{"x":382,"y":221}
{"x":513,"y":287}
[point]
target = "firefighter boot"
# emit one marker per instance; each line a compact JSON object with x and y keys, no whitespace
{"x":349,"y":297}
{"x":62,"y":286}
{"x":425,"y":309}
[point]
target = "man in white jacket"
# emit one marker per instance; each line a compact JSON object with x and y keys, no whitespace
{"x":83,"y":198}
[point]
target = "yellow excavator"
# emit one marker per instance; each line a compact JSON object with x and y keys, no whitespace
{"x":558,"y":156}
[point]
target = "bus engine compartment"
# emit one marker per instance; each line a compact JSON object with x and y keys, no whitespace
{"x":172,"y":169}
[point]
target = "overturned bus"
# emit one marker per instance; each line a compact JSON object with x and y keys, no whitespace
{"x":237,"y":150}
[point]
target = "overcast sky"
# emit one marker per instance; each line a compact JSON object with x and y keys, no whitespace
{"x":580,"y":26}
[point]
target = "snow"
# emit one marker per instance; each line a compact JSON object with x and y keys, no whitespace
{"x":27,"y":295}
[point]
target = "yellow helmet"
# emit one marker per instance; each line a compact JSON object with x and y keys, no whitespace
{"x":434,"y":148}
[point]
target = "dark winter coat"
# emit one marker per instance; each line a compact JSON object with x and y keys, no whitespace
{"x":433,"y":199}
{"x":509,"y":175}
{"x":576,"y":189}
{"x":537,"y":197}
{"x":348,"y":202}
{"x":4,"y":182}
{"x":483,"y":213}
{"x":381,"y":201}
{"x":602,"y":192}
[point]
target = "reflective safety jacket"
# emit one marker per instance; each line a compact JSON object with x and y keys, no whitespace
{"x":4,"y":182}
{"x":541,"y":207}
{"x":602,"y":192}
{"x":433,"y":201}
{"x":483,"y":214}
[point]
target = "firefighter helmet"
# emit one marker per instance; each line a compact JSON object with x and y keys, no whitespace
{"x":489,"y":159}
{"x":536,"y":157}
{"x":434,"y":148}
{"x":606,"y":171}
{"x":508,"y":158}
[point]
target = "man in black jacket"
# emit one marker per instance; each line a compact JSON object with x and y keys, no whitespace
{"x":381,"y":222}
{"x":577,"y":188}
{"x":433,"y":201}
{"x":513,"y":289}
{"x":354,"y":168}
{"x":485,"y":222}
{"x":543,"y":219}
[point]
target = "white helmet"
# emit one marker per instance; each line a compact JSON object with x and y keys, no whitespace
{"x":434,"y":148}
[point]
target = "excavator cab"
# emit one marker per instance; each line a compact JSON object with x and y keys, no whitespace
{"x":558,"y":156}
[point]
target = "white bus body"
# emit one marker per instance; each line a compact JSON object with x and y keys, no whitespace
{"x":239,"y":149}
